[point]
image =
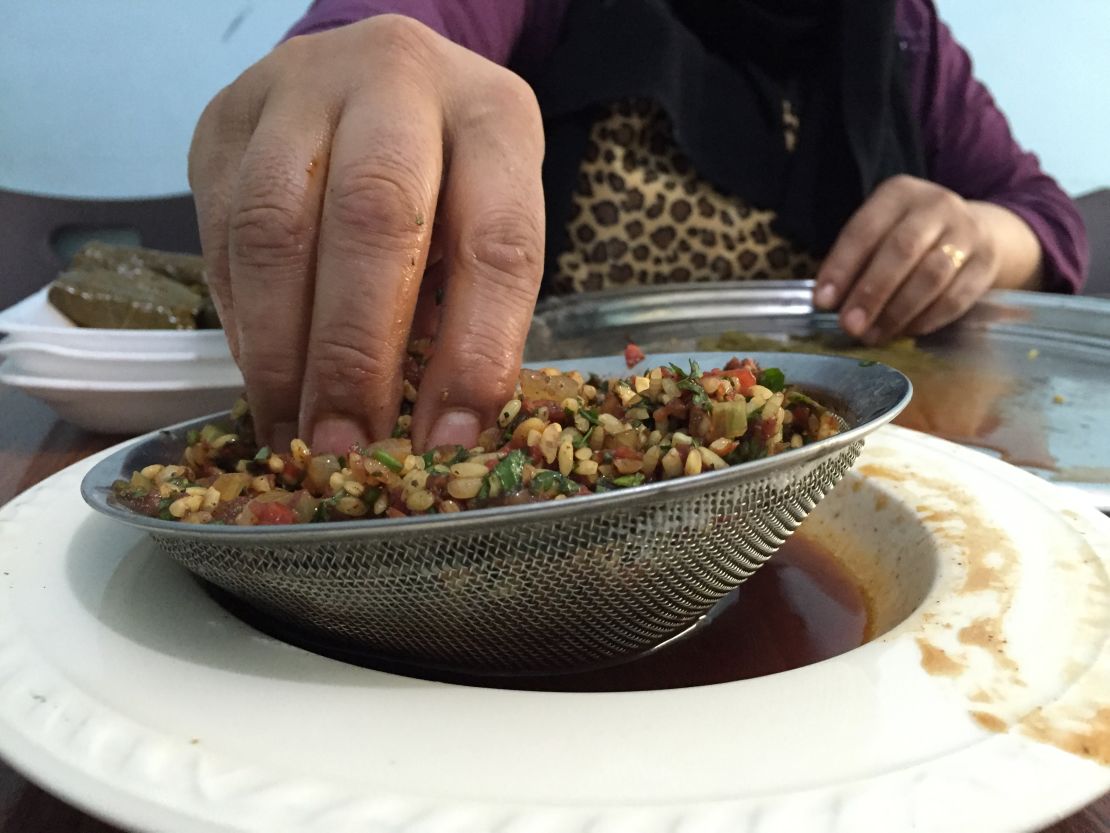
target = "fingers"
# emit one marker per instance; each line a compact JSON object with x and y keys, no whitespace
{"x":493,"y":224}
{"x":928,"y":281}
{"x":218,"y":144}
{"x":383,"y":179}
{"x":896,"y":257}
{"x":968,"y":286}
{"x":271,"y":243}
{"x":859,"y":239}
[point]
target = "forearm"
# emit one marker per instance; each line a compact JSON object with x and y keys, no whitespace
{"x":1021,"y":260}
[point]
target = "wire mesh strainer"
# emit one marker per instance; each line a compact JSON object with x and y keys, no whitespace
{"x":536,"y":588}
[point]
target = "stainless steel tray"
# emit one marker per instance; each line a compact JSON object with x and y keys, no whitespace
{"x":1025,"y":376}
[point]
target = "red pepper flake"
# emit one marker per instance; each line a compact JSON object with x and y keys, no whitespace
{"x":633,"y":355}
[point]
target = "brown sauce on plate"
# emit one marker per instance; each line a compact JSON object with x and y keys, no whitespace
{"x":799,"y":608}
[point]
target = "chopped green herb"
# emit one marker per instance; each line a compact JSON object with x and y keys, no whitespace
{"x":209,"y":433}
{"x":589,"y":415}
{"x":868,"y":363}
{"x":585,"y":438}
{"x":429,"y":459}
{"x":627,"y":480}
{"x":322,"y":512}
{"x":419,"y":218}
{"x":387,"y":460}
{"x":461,"y":456}
{"x":700,"y":397}
{"x":263,"y":454}
{"x":773,"y":379}
{"x":547,"y":482}
{"x":509,"y":472}
{"x":192,"y":437}
{"x":164,"y":508}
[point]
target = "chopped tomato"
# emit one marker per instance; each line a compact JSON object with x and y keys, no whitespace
{"x":743,"y":375}
{"x":272,"y":514}
{"x":633,"y":355}
{"x":391,"y":512}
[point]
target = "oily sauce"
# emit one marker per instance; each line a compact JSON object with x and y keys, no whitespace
{"x":800,"y":607}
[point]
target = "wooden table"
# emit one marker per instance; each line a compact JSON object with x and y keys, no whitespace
{"x":34,"y":444}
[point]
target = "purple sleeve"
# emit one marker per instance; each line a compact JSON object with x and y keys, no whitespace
{"x":969,"y":147}
{"x":504,"y":31}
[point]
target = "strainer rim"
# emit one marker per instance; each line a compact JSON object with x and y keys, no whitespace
{"x":96,"y":485}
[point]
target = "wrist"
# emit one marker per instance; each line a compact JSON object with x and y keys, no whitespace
{"x":1018,"y":250}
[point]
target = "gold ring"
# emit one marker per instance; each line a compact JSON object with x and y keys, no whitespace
{"x":957,"y":256}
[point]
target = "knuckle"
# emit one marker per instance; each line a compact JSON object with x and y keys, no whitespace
{"x":508,"y":248}
{"x":934,"y":272}
{"x":900,"y":182}
{"x":905,"y":242}
{"x":491,"y":364}
{"x":401,"y":37}
{"x":510,"y":92}
{"x":268,"y":227}
{"x":376,"y":205}
{"x":947,"y":201}
{"x":349,"y":358}
{"x":264,"y":371}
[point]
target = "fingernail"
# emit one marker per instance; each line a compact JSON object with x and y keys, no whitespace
{"x":825,"y":296}
{"x":282,"y":434}
{"x":336,"y":435}
{"x":854,"y":321}
{"x":454,"y":428}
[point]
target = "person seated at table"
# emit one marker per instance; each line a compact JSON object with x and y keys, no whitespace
{"x":382,"y":173}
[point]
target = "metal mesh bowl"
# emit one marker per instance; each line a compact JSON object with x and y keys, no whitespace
{"x":538,"y":588}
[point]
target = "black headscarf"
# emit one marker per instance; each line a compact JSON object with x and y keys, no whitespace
{"x":719,"y":69}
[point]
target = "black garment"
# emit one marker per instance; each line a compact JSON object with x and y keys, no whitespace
{"x":721,"y":70}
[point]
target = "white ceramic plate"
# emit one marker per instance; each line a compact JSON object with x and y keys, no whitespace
{"x":34,"y":358}
{"x":126,"y":690}
{"x":35,"y":319}
{"x":129,"y":407}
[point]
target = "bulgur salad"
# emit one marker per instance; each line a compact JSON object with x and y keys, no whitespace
{"x":561,"y":435}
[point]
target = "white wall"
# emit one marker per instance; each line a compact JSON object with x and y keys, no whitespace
{"x":98,"y":98}
{"x":1048,"y":65}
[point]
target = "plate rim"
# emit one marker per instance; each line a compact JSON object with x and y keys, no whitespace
{"x":162,"y":818}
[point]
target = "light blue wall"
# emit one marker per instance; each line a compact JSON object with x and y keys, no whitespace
{"x":1048,"y":64}
{"x":99,"y":97}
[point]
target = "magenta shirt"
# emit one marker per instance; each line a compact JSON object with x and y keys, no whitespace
{"x":966,"y":138}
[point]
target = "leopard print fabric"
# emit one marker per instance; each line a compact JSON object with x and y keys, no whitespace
{"x":641,"y":215}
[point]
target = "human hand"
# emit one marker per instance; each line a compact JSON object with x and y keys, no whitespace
{"x":323,"y":176}
{"x":916,"y":256}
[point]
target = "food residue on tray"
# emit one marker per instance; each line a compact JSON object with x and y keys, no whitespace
{"x":954,"y":401}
